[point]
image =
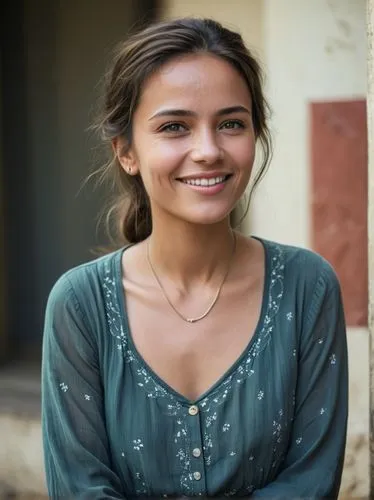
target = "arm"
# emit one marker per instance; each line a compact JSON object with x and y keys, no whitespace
{"x":313,"y":466}
{"x":76,"y":451}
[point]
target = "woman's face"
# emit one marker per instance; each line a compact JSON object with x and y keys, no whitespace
{"x":193,"y":139}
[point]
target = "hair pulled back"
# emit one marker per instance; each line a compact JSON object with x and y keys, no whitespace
{"x":134,"y":61}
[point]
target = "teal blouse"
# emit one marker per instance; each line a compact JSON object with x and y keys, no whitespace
{"x":274,"y":425}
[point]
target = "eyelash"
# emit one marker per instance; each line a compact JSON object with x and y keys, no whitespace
{"x":167,"y":127}
{"x":235,"y":122}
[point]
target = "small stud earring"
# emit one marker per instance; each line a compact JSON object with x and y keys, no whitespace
{"x":129,"y":170}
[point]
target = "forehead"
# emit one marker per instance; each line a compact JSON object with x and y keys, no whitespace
{"x":200,"y":81}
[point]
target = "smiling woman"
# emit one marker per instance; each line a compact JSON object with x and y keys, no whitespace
{"x":192,"y":126}
{"x":193,"y":360}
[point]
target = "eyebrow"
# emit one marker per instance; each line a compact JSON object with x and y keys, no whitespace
{"x":184,"y":112}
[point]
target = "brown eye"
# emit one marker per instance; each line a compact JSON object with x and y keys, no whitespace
{"x":232,"y":124}
{"x":173,"y":128}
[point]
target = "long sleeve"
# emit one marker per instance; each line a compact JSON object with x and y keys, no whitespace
{"x":313,"y":465}
{"x":76,"y":451}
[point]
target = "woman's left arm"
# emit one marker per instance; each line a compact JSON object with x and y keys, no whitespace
{"x":313,"y":465}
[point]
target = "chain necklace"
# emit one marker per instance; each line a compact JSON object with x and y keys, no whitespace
{"x":193,"y":320}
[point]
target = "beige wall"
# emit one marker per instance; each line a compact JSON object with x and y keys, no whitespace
{"x":370,"y":115}
{"x":242,"y":15}
{"x":313,"y":51}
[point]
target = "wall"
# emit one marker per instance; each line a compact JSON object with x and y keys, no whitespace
{"x":53,"y":56}
{"x":313,"y":51}
{"x":242,"y":15}
{"x":370,"y":115}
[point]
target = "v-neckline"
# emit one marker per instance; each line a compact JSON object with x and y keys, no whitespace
{"x":121,"y":298}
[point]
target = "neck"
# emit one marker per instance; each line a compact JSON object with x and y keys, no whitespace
{"x":189,"y":253}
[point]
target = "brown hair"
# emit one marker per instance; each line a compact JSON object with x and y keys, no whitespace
{"x":135,"y":60}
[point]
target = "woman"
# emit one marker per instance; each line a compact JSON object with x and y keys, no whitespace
{"x":194,"y":361}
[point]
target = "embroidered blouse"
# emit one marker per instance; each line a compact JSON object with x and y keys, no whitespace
{"x":273,"y":426}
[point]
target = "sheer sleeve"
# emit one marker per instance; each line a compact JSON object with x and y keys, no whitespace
{"x":76,"y":451}
{"x":314,"y":462}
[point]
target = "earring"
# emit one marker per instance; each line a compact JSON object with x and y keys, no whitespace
{"x":129,"y":170}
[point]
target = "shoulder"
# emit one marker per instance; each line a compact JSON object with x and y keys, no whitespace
{"x":305,"y":281}
{"x":301,"y":266}
{"x":308,"y":286}
{"x":83,"y":283}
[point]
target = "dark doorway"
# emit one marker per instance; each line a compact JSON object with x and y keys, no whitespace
{"x":52,"y":57}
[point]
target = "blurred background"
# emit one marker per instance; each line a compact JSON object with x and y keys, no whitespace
{"x":52,"y":56}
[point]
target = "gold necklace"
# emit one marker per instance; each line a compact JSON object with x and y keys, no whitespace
{"x":193,"y":320}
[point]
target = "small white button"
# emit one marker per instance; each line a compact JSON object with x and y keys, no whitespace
{"x":197,"y":476}
{"x":193,"y":410}
{"x":196,"y":452}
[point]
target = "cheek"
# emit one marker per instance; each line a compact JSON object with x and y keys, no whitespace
{"x":161,"y":159}
{"x":244,"y":154}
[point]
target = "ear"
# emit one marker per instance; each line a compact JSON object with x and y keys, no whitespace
{"x":125,"y":156}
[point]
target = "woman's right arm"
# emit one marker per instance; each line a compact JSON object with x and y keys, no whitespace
{"x":76,"y":451}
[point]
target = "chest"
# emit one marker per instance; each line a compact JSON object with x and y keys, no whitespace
{"x":191,"y":357}
{"x":243,"y":422}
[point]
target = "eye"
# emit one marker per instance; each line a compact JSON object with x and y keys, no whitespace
{"x":232,"y":125}
{"x":173,"y":127}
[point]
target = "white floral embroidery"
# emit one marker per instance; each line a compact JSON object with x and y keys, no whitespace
{"x":251,"y":458}
{"x":210,"y":419}
{"x":173,"y":407}
{"x":298,"y":440}
{"x":141,"y":487}
{"x":289,"y":316}
{"x":225,"y":427}
{"x":64,"y":387}
{"x":320,"y":341}
{"x":138,"y":444}
{"x":322,"y":411}
{"x":87,"y":397}
{"x":232,"y":453}
{"x":333,"y":359}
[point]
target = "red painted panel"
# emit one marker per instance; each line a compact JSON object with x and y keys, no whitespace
{"x":339,"y":197}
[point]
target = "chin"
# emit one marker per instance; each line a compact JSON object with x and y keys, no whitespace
{"x":209,"y":218}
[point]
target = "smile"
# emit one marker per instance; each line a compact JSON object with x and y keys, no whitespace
{"x":205,"y":182}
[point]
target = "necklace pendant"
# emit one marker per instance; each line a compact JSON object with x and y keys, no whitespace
{"x":193,"y":320}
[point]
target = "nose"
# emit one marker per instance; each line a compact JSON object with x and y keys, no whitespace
{"x":206,"y":148}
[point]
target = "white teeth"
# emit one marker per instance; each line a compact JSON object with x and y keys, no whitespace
{"x":204,"y":182}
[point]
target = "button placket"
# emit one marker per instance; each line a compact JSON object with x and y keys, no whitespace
{"x":197,"y":457}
